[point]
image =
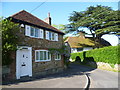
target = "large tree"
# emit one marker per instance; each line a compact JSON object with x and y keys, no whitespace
{"x":100,"y":19}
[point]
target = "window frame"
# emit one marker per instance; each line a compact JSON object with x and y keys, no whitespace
{"x":47,"y":58}
{"x":52,"y":36}
{"x":57,"y":56}
{"x":35,"y":35}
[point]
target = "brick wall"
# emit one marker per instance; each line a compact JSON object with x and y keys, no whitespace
{"x":40,"y":68}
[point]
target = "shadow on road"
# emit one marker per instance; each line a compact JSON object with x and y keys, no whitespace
{"x":74,"y":69}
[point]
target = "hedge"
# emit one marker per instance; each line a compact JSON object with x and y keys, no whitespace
{"x":107,"y":54}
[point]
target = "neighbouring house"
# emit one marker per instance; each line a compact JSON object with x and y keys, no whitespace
{"x":80,"y":43}
{"x":112,"y":39}
{"x":36,"y":37}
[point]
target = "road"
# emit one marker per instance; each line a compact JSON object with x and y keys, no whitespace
{"x":100,"y":78}
{"x":73,"y":78}
{"x":70,"y":78}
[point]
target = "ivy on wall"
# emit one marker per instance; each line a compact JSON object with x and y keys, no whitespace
{"x":65,"y":51}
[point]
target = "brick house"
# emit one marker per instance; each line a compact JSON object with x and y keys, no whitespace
{"x":36,"y":37}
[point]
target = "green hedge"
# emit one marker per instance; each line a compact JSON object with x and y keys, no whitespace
{"x":107,"y":54}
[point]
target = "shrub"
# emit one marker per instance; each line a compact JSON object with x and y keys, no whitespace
{"x":107,"y":54}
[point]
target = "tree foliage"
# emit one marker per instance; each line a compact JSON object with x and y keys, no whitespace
{"x":101,"y":19}
{"x":60,"y":26}
{"x":9,"y":40}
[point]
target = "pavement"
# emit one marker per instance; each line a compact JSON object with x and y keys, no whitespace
{"x":70,"y":78}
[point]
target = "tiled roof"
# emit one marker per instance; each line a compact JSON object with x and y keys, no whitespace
{"x":78,"y":42}
{"x":29,"y":18}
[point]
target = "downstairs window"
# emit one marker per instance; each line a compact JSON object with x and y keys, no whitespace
{"x":42,"y":55}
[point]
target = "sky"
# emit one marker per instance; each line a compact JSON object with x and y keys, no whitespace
{"x":60,"y":11}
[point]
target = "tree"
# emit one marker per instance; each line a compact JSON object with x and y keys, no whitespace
{"x":100,"y":19}
{"x":9,"y":40}
{"x":60,"y":26}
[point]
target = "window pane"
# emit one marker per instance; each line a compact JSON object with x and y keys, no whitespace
{"x":41,"y":55}
{"x":32,"y":31}
{"x":52,"y":36}
{"x":45,"y":56}
{"x":36,"y":32}
{"x":49,"y":55}
{"x":58,"y":56}
{"x":37,"y":55}
{"x":55,"y":56}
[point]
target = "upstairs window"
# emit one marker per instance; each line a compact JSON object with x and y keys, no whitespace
{"x":51,"y":36}
{"x":33,"y":32}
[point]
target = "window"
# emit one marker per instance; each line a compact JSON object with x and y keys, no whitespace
{"x":36,"y":32}
{"x":79,"y":49}
{"x":57,"y":57}
{"x":42,"y":55}
{"x":33,"y":32}
{"x":51,"y":36}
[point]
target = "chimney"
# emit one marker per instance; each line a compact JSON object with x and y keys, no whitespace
{"x":48,"y":19}
{"x":81,"y":34}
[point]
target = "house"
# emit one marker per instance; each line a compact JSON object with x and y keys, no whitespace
{"x":36,"y":37}
{"x":112,"y":39}
{"x":80,"y":43}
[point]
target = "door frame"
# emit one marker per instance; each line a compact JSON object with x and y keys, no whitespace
{"x":18,"y":64}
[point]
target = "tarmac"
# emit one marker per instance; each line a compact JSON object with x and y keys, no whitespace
{"x":69,"y":78}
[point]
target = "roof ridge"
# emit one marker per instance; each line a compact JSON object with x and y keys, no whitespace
{"x":18,"y":13}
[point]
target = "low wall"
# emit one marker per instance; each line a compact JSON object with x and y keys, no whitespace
{"x":105,"y":66}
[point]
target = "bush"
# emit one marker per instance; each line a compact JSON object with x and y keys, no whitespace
{"x":107,"y":54}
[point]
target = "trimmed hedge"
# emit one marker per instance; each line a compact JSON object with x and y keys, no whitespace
{"x":107,"y":54}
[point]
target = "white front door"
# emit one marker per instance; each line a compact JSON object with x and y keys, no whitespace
{"x":24,"y":62}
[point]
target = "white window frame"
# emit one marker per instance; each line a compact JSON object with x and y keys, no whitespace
{"x":51,"y":36}
{"x":43,"y":54}
{"x":47,"y":35}
{"x":41,"y":35}
{"x":56,"y":36}
{"x":57,"y":57}
{"x":28,"y":32}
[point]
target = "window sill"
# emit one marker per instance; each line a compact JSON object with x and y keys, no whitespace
{"x":57,"y":59}
{"x":42,"y":60}
{"x":35,"y":37}
{"x":51,"y":40}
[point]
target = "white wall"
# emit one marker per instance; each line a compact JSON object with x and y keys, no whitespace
{"x":74,"y":50}
{"x":112,"y":39}
{"x":87,"y":48}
